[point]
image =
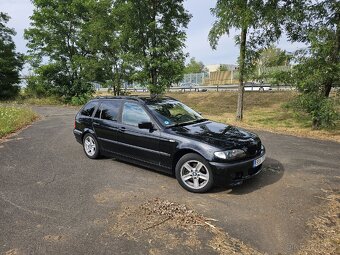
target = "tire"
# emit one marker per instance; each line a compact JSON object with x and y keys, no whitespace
{"x":91,"y":147}
{"x":192,"y":179}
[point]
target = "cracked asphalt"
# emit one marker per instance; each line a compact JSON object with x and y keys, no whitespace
{"x":54,"y":200}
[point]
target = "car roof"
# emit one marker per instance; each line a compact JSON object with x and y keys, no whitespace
{"x":136,"y":98}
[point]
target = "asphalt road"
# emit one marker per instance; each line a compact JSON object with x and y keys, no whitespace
{"x":54,"y":200}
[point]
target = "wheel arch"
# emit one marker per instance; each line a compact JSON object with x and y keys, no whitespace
{"x":180,"y":153}
{"x":87,"y":131}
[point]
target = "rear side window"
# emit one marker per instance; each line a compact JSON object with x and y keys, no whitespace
{"x":88,"y":109}
{"x":109,"y":110}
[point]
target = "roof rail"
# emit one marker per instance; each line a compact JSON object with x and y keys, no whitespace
{"x":132,"y":97}
{"x":116,"y":97}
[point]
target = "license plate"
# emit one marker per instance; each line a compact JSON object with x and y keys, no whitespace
{"x":259,"y":161}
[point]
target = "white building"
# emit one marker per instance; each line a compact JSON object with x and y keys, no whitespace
{"x":216,"y":67}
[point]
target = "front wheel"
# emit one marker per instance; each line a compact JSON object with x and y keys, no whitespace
{"x":91,"y":147}
{"x":194,"y":174}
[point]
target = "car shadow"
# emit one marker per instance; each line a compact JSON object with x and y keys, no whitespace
{"x":272,"y":172}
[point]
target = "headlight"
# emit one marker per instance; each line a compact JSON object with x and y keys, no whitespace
{"x":230,"y":154}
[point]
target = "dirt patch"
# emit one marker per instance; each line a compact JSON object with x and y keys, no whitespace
{"x":161,"y":223}
{"x":12,"y":252}
{"x":54,"y":238}
{"x":109,"y":195}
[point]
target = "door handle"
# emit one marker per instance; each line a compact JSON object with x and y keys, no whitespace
{"x":122,"y":129}
{"x":95,"y":124}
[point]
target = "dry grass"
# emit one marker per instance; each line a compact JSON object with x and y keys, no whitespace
{"x":166,"y":227}
{"x":35,"y":101}
{"x":172,"y":227}
{"x":262,"y":111}
{"x":325,"y":238}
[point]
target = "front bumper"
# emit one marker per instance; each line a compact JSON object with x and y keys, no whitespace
{"x":236,"y":172}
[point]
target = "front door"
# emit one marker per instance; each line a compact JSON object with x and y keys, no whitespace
{"x":136,"y":143}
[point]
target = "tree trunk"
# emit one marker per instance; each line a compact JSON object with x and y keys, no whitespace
{"x":239,"y":113}
{"x":315,"y":124}
{"x":154,"y":91}
{"x":327,"y":88}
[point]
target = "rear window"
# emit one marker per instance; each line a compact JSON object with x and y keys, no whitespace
{"x":88,"y":109}
{"x":108,"y":110}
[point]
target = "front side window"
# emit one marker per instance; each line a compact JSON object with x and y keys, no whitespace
{"x":108,"y":110}
{"x":88,"y":109}
{"x":133,"y":114}
{"x":171,"y":112}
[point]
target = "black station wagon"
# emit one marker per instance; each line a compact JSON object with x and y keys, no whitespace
{"x":165,"y":134}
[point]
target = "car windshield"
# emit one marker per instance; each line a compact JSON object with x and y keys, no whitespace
{"x":173,"y":113}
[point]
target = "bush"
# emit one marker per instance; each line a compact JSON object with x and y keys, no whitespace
{"x":80,"y":100}
{"x":321,"y":109}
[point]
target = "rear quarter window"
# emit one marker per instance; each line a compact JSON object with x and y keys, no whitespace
{"x":88,"y":109}
{"x":109,"y":110}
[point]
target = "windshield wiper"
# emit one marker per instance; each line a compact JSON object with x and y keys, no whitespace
{"x":187,"y":123}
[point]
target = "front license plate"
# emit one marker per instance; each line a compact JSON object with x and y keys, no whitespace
{"x":259,"y":161}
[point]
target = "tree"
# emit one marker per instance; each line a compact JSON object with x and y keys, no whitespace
{"x":54,"y":37}
{"x":223,"y":68}
{"x":107,"y":41}
{"x":156,"y":35}
{"x":194,"y":67}
{"x":259,"y":25}
{"x":11,"y":62}
{"x":272,"y":65}
{"x":317,"y":24}
{"x":273,"y":56}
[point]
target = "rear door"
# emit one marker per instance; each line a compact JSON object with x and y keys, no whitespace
{"x":105,"y":124}
{"x":136,"y":143}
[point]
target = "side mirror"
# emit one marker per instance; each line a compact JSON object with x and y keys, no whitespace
{"x":145,"y":125}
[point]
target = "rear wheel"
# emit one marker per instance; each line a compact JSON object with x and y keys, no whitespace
{"x":194,"y":174}
{"x":91,"y":147}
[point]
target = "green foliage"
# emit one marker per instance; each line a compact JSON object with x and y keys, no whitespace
{"x":272,"y":56}
{"x":80,"y":100}
{"x":156,"y":39}
{"x":321,"y":110}
{"x":75,"y":43}
{"x":11,"y":62}
{"x":55,"y":37}
{"x":279,"y":77}
{"x":106,"y":37}
{"x":316,"y":24}
{"x":223,"y":68}
{"x":194,"y":67}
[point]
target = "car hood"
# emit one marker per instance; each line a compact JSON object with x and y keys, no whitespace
{"x":219,"y":135}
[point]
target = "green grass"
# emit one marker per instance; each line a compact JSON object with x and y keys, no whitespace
{"x":262,"y":111}
{"x":14,"y":118}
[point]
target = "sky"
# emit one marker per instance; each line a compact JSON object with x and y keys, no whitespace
{"x":197,"y":44}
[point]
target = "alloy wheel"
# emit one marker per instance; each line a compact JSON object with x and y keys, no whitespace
{"x":194,"y":174}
